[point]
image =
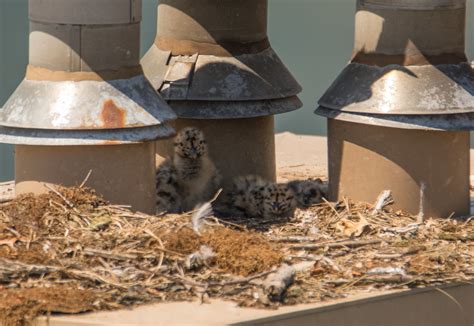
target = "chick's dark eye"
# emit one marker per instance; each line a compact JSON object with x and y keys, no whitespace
{"x":312,"y":192}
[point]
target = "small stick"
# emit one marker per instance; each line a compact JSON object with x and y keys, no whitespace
{"x":14,"y":232}
{"x":151,"y":234}
{"x":398,"y":279}
{"x":60,"y":195}
{"x":277,"y":283}
{"x":86,"y":179}
{"x":333,"y":209}
{"x":292,"y":239}
{"x":350,"y":244}
{"x":6,"y":199}
{"x":246,"y":279}
{"x":409,"y":251}
{"x":210,"y":202}
{"x":94,"y":277}
{"x":108,"y":254}
{"x":9,"y":268}
{"x":226,"y":283}
{"x":384,"y":199}
{"x":421,"y":213}
{"x":218,"y":221}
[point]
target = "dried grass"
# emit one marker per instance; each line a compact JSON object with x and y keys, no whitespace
{"x":20,"y":306}
{"x":242,"y":253}
{"x":71,"y":241}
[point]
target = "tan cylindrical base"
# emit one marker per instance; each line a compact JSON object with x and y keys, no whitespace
{"x":123,"y":174}
{"x":426,"y":171}
{"x":237,"y":146}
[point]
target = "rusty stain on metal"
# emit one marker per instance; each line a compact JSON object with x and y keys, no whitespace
{"x":112,"y":116}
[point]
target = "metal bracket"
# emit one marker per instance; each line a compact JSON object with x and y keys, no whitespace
{"x":179,"y":76}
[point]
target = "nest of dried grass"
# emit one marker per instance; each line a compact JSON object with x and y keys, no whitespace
{"x":72,"y":244}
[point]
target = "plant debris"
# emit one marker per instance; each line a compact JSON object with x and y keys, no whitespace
{"x":70,"y":251}
{"x":20,"y":306}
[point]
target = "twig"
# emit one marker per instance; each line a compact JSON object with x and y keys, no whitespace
{"x":12,"y":269}
{"x":384,"y":199}
{"x":151,"y":234}
{"x":6,"y":199}
{"x":94,"y":277}
{"x":349,"y":244}
{"x":456,"y":237}
{"x":366,"y":280}
{"x":226,"y":283}
{"x":334,"y":210}
{"x":292,"y":239}
{"x":405,"y":229}
{"x":409,"y":251}
{"x":108,"y":254}
{"x":245,"y":280}
{"x":14,"y":232}
{"x":86,"y":179}
{"x":60,"y":195}
{"x":277,"y":283}
{"x":210,"y":202}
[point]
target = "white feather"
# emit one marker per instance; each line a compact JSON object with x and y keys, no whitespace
{"x":206,"y":253}
{"x":200,"y":213}
{"x":200,"y":258}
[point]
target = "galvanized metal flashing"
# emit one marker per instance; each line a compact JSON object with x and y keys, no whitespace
{"x":234,"y":109}
{"x":45,"y":137}
{"x":406,"y":72}
{"x":199,"y":59}
{"x":75,"y":48}
{"x":415,"y":5}
{"x":395,"y":89}
{"x":85,"y":105}
{"x":438,"y":122}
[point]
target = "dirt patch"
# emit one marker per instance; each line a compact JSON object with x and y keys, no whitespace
{"x":242,"y":253}
{"x":33,"y":255}
{"x":184,"y":241}
{"x":237,"y":252}
{"x":21,"y":306}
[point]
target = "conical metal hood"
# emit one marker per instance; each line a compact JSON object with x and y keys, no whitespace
{"x":214,"y":61}
{"x":409,"y":68}
{"x":84,"y":84}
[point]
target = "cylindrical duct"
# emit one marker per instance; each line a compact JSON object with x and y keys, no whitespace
{"x":409,"y":32}
{"x":213,"y":62}
{"x":84,"y":86}
{"x":252,"y":151}
{"x":397,"y":112}
{"x":427,"y":171}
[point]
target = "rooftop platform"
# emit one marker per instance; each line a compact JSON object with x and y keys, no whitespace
{"x":298,"y":157}
{"x":452,"y":305}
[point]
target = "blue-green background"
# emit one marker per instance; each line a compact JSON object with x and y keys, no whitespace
{"x":313,"y":37}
